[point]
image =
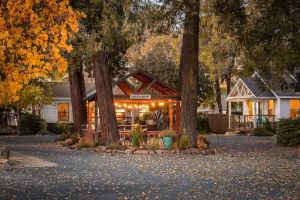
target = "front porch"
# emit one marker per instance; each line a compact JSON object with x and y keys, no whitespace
{"x":247,"y":121}
{"x":249,"y":107}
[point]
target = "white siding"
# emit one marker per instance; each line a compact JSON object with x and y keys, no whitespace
{"x":265,"y":107}
{"x":284,"y":108}
{"x":277,"y":109}
{"x":245,"y":108}
{"x":50,"y":113}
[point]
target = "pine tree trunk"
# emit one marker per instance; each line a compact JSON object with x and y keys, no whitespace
{"x":218,"y":93}
{"x":228,"y":83}
{"x":189,"y":71}
{"x":108,"y":122}
{"x":77,"y":89}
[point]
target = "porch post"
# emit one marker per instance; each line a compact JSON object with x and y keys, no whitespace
{"x":89,"y":137}
{"x":229,"y":114}
{"x":89,"y":118}
{"x":177,"y":116}
{"x":96,"y":123}
{"x":171,"y":115}
{"x":255,"y":114}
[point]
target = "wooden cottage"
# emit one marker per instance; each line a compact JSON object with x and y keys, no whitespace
{"x":137,"y":97}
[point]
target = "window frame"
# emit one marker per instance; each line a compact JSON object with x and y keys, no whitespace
{"x":294,"y":112}
{"x":59,"y":113}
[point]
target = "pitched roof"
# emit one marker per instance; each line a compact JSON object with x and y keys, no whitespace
{"x":148,"y":82}
{"x":257,"y":87}
{"x":260,"y":89}
{"x":60,"y":90}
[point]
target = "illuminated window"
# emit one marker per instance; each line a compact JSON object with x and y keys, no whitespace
{"x":250,"y":107}
{"x":63,"y":112}
{"x":294,"y":108}
{"x":120,"y":114}
{"x":271,"y":107}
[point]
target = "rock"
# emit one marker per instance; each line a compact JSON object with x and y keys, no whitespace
{"x":72,"y":146}
{"x":175,"y":151}
{"x":187,"y":151}
{"x":163,"y":151}
{"x":68,"y":142}
{"x":113,"y":152}
{"x":101,"y":148}
{"x":120,"y":151}
{"x":194,"y":151}
{"x":129,"y":151}
{"x":209,"y":152}
{"x":152,"y":152}
{"x":60,"y":143}
{"x":4,"y":153}
{"x":140,"y":151}
{"x":4,"y":163}
{"x":107,"y":151}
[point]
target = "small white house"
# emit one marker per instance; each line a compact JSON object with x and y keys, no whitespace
{"x":60,"y":110}
{"x":253,"y":102}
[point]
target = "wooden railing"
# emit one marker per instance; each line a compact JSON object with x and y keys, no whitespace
{"x":247,"y":121}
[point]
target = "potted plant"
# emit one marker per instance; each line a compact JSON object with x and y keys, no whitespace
{"x":150,"y":121}
{"x":149,"y":118}
{"x":167,"y":136}
{"x":136,"y":135}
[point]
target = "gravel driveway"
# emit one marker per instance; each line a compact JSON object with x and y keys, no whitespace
{"x":245,"y":167}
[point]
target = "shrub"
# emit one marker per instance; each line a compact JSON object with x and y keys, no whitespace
{"x":75,"y":138}
{"x":184,"y":142}
{"x":202,"y":143}
{"x":269,"y":126}
{"x":203,"y":124}
{"x":31,"y":124}
{"x":63,"y":128}
{"x":262,"y":131}
{"x":288,"y":133}
{"x":168,"y":133}
{"x":154,"y":144}
{"x":85,"y":145}
{"x":116,"y":147}
{"x":137,"y":131}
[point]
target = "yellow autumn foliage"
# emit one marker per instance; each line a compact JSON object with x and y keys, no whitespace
{"x":33,"y":36}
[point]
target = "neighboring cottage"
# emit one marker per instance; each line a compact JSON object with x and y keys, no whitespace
{"x":252,"y":102}
{"x":60,"y":110}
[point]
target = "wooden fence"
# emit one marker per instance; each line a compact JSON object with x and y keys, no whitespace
{"x":219,"y":123}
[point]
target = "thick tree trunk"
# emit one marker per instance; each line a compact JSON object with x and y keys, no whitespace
{"x":103,"y":80}
{"x":228,"y":83}
{"x":189,"y":71}
{"x":77,"y":89}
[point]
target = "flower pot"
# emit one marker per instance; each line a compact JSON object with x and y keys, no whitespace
{"x":135,"y":141}
{"x":167,"y":140}
{"x":150,"y":122}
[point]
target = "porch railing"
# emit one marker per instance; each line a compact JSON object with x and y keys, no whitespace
{"x":247,"y":121}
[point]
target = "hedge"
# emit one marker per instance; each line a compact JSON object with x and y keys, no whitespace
{"x":288,"y":132}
